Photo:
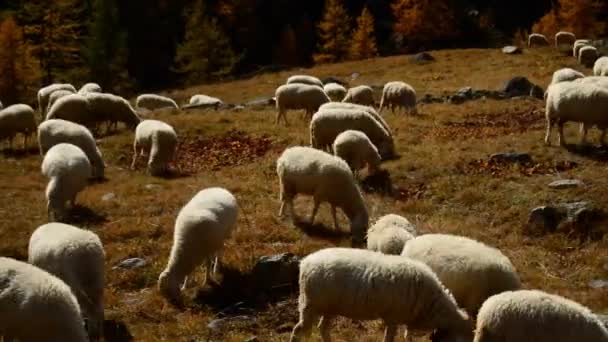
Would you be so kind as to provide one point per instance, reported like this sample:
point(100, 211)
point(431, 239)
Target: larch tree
point(333, 31)
point(364, 41)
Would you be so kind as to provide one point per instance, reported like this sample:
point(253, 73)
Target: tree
point(206, 50)
point(581, 17)
point(286, 52)
point(20, 72)
point(333, 33)
point(364, 41)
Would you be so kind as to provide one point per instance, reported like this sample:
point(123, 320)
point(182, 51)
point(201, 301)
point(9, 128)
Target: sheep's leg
point(315, 208)
point(389, 333)
point(187, 283)
point(218, 258)
point(324, 327)
point(134, 155)
point(583, 129)
point(10, 143)
point(407, 337)
point(25, 141)
point(560, 138)
point(333, 214)
point(304, 326)
point(548, 133)
point(207, 274)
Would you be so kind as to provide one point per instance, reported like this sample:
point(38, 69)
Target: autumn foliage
point(418, 21)
point(364, 42)
point(581, 17)
point(334, 30)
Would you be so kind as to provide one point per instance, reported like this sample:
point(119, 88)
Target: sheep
point(600, 68)
point(74, 108)
point(44, 93)
point(537, 39)
point(578, 44)
point(566, 75)
point(305, 79)
point(201, 228)
point(366, 285)
point(304, 170)
point(14, 119)
point(355, 148)
point(55, 131)
point(398, 94)
point(537, 316)
point(298, 96)
point(159, 140)
point(370, 110)
point(564, 38)
point(90, 88)
point(471, 270)
point(600, 81)
point(389, 234)
point(587, 56)
point(37, 306)
point(112, 108)
point(68, 170)
point(77, 257)
point(581, 101)
point(362, 94)
point(56, 95)
point(335, 91)
point(204, 100)
point(326, 125)
point(153, 102)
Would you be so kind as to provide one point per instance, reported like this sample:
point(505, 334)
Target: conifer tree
point(364, 41)
point(423, 21)
point(333, 31)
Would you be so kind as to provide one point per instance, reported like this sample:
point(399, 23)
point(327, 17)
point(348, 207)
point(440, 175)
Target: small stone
point(466, 92)
point(543, 219)
point(131, 263)
point(276, 270)
point(566, 184)
point(108, 197)
point(422, 57)
point(511, 157)
point(354, 76)
point(151, 186)
point(221, 322)
point(519, 86)
point(598, 284)
point(511, 50)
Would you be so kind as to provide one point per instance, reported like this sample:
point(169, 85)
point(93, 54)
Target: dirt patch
point(381, 184)
point(214, 153)
point(500, 169)
point(485, 125)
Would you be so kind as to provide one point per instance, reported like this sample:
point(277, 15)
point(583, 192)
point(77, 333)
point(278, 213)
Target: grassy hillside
point(441, 189)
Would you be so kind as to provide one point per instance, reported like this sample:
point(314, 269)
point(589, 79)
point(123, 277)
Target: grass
point(438, 195)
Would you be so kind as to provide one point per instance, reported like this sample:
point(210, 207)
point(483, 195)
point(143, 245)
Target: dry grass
point(434, 191)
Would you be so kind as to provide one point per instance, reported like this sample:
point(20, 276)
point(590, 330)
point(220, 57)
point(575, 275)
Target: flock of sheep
point(459, 288)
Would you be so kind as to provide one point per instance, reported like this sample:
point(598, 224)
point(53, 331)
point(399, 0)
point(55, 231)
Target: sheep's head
point(359, 225)
point(169, 288)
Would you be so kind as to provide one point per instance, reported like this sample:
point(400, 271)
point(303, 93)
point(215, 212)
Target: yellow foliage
point(364, 42)
point(424, 20)
point(334, 30)
point(577, 16)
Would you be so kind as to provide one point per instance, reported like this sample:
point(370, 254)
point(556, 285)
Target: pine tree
point(364, 41)
point(424, 21)
point(206, 50)
point(286, 52)
point(333, 31)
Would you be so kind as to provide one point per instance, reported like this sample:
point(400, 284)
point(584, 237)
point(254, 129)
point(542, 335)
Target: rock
point(428, 98)
point(511, 157)
point(332, 79)
point(422, 57)
point(511, 50)
point(275, 271)
point(131, 263)
point(354, 76)
point(578, 216)
point(519, 86)
point(466, 92)
point(151, 186)
point(238, 108)
point(537, 92)
point(222, 322)
point(566, 183)
point(542, 220)
point(261, 102)
point(598, 284)
point(108, 197)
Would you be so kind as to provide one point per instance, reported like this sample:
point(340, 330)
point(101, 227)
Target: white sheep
point(366, 285)
point(362, 94)
point(44, 93)
point(153, 102)
point(601, 81)
point(335, 91)
point(205, 100)
point(564, 38)
point(157, 139)
point(304, 170)
point(305, 79)
point(201, 228)
point(600, 68)
point(14, 119)
point(298, 96)
point(56, 131)
point(537, 39)
point(471, 270)
point(90, 88)
point(370, 110)
point(37, 306)
point(537, 316)
point(113, 109)
point(74, 108)
point(355, 148)
point(580, 101)
point(68, 170)
point(578, 44)
point(56, 95)
point(398, 94)
point(587, 56)
point(326, 125)
point(566, 75)
point(389, 234)
point(77, 257)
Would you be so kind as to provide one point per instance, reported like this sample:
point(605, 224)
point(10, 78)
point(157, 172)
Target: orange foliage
point(364, 42)
point(424, 20)
point(334, 30)
point(577, 16)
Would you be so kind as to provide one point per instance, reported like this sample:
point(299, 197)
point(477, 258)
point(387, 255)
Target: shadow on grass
point(19, 153)
point(593, 152)
point(378, 183)
point(321, 231)
point(81, 215)
point(116, 331)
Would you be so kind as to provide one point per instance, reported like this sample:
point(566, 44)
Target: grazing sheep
point(14, 119)
point(153, 102)
point(537, 316)
point(389, 234)
point(355, 148)
point(326, 125)
point(304, 170)
point(37, 306)
point(305, 79)
point(537, 39)
point(564, 38)
point(204, 100)
point(370, 110)
point(398, 94)
point(600, 68)
point(580, 101)
point(90, 88)
point(56, 95)
point(298, 96)
point(201, 228)
point(578, 44)
point(77, 257)
point(44, 93)
point(335, 91)
point(587, 56)
point(56, 131)
point(113, 109)
point(566, 75)
point(159, 140)
point(471, 270)
point(68, 170)
point(363, 95)
point(74, 108)
point(366, 285)
point(601, 81)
